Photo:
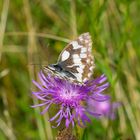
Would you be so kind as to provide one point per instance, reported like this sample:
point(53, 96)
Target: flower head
point(71, 98)
point(105, 108)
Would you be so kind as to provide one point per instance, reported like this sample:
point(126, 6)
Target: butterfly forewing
point(77, 58)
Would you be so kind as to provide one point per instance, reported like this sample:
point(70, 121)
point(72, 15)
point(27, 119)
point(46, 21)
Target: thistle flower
point(71, 98)
point(105, 108)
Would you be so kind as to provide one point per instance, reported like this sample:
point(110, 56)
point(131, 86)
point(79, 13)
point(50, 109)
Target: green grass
point(115, 30)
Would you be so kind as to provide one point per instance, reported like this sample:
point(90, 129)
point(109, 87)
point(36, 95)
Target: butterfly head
point(55, 67)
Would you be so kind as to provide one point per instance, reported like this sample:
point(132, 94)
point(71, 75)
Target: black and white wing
point(77, 59)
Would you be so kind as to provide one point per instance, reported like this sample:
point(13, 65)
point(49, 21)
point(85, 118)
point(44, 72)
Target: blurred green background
point(33, 33)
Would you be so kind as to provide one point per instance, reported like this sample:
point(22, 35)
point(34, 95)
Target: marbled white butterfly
point(75, 62)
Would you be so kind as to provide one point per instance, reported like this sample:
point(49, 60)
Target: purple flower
point(71, 98)
point(105, 108)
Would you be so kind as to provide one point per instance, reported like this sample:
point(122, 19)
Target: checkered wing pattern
point(77, 58)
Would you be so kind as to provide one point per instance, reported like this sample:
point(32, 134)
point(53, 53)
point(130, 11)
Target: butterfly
point(75, 62)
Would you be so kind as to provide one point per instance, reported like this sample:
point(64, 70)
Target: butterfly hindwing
point(77, 58)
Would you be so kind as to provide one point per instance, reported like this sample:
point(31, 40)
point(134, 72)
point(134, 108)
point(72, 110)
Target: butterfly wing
point(77, 58)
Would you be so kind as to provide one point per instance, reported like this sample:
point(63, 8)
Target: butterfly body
point(75, 62)
point(58, 69)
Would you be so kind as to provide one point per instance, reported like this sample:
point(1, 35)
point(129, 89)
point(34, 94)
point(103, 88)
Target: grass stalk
point(3, 22)
point(31, 50)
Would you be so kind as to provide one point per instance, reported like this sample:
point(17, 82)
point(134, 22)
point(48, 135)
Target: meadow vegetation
point(33, 33)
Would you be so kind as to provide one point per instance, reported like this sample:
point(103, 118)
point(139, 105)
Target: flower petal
point(40, 104)
point(46, 108)
point(100, 97)
point(58, 113)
